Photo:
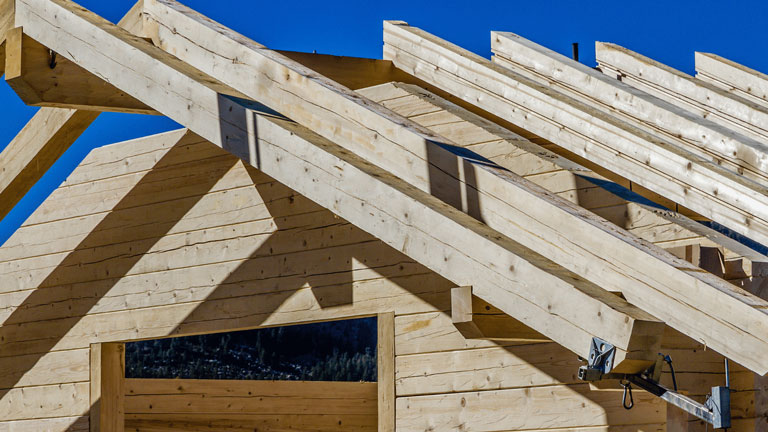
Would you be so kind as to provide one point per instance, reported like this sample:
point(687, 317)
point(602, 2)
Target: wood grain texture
point(107, 396)
point(43, 80)
point(683, 90)
point(48, 134)
point(217, 405)
point(700, 136)
point(385, 362)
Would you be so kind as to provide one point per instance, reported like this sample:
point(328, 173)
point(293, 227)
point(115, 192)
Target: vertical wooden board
point(386, 371)
point(107, 387)
point(2, 56)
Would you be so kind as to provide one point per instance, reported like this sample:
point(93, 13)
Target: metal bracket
point(715, 411)
point(600, 361)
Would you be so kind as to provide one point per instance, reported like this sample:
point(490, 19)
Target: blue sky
point(668, 31)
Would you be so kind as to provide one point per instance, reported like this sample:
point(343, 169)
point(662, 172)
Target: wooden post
point(107, 387)
point(386, 371)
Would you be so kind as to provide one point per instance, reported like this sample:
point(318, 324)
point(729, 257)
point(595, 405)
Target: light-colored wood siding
point(151, 239)
point(223, 405)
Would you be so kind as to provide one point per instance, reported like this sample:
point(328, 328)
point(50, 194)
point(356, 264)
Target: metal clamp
point(600, 361)
point(715, 411)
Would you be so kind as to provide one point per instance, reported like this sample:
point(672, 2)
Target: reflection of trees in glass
point(330, 351)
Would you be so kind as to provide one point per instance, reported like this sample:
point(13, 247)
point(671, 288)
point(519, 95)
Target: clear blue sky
point(669, 31)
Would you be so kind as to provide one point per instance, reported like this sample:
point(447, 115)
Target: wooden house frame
point(499, 217)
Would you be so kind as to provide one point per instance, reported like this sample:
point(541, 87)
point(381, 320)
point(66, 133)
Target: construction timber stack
point(530, 232)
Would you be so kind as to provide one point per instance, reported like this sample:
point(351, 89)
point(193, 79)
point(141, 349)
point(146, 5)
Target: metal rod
point(575, 47)
point(727, 375)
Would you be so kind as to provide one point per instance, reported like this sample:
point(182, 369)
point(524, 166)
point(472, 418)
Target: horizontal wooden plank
point(495, 368)
point(251, 422)
point(68, 424)
point(254, 397)
point(63, 400)
point(531, 408)
point(58, 367)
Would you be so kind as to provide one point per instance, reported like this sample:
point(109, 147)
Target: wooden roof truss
point(329, 128)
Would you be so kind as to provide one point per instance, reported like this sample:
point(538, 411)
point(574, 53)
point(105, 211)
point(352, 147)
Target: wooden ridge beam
point(352, 72)
point(519, 281)
point(733, 77)
point(49, 133)
point(559, 119)
point(683, 90)
point(42, 78)
point(478, 319)
point(432, 163)
point(700, 136)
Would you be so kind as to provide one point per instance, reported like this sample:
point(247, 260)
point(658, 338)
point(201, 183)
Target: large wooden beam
point(478, 319)
point(733, 77)
point(519, 281)
point(47, 135)
point(43, 78)
point(700, 136)
point(683, 90)
point(352, 72)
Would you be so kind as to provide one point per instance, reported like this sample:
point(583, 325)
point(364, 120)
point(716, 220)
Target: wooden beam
point(683, 90)
point(385, 363)
point(733, 77)
point(35, 149)
point(351, 72)
point(699, 136)
point(478, 319)
point(47, 135)
point(563, 120)
point(107, 387)
point(433, 233)
point(45, 79)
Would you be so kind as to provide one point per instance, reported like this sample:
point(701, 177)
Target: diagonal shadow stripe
point(15, 337)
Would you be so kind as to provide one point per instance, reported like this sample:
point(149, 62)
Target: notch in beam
point(478, 319)
point(42, 77)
